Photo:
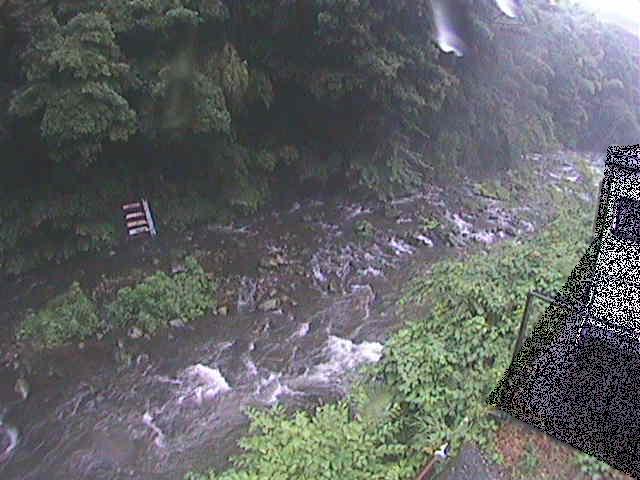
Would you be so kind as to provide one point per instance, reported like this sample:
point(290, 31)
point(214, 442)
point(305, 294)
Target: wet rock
point(156, 262)
point(423, 239)
point(22, 388)
point(268, 263)
point(142, 358)
point(135, 332)
point(224, 310)
point(270, 304)
point(364, 229)
point(178, 268)
point(177, 323)
point(453, 240)
point(391, 211)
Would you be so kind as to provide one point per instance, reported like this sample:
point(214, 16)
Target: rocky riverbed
point(306, 294)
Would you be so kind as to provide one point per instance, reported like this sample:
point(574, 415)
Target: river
point(123, 408)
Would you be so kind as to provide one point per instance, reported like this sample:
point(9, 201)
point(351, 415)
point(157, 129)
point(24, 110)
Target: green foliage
point(324, 445)
point(435, 375)
point(446, 364)
point(530, 463)
point(75, 82)
point(224, 101)
point(69, 316)
point(364, 229)
point(592, 467)
point(160, 298)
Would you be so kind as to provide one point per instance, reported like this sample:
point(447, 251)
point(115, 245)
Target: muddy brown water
point(179, 402)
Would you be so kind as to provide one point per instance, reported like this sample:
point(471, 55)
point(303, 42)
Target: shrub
point(326, 445)
point(70, 315)
point(436, 373)
point(592, 467)
point(446, 364)
point(161, 298)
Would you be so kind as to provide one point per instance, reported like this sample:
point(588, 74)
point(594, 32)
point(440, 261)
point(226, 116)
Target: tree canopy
point(222, 101)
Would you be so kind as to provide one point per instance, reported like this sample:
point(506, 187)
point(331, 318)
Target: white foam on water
point(344, 355)
point(484, 237)
point(12, 435)
point(424, 239)
point(251, 367)
point(303, 329)
point(165, 379)
point(271, 388)
point(229, 228)
point(295, 207)
point(400, 246)
point(356, 211)
point(370, 271)
point(147, 419)
point(208, 382)
point(408, 199)
point(508, 7)
point(404, 220)
point(210, 376)
point(462, 225)
point(318, 275)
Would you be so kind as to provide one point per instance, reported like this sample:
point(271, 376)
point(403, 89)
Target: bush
point(446, 364)
point(161, 298)
point(70, 315)
point(592, 467)
point(436, 373)
point(326, 445)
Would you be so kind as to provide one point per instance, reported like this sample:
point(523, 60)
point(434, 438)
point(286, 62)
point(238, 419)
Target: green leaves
point(75, 82)
point(324, 445)
point(160, 298)
point(69, 316)
point(435, 375)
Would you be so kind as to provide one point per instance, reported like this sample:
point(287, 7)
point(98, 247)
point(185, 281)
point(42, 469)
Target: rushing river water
point(179, 403)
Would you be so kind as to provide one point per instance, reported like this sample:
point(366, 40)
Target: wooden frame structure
point(139, 219)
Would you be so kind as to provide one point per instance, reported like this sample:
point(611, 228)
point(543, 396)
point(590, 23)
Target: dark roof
point(626, 156)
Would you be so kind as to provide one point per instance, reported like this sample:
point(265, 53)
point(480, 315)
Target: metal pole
point(523, 325)
point(147, 213)
point(527, 314)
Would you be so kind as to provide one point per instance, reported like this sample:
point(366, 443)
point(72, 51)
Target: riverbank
point(306, 294)
point(435, 374)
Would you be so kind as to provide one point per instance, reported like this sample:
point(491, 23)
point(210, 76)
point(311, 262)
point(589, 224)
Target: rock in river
point(22, 388)
point(269, 305)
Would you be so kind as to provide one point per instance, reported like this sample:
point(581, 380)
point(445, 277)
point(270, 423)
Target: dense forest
point(207, 107)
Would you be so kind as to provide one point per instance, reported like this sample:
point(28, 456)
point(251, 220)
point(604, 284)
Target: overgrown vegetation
point(148, 305)
point(160, 298)
point(436, 373)
point(68, 316)
point(205, 107)
point(592, 467)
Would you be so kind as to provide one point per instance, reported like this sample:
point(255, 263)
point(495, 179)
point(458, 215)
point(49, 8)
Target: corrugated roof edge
point(626, 156)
